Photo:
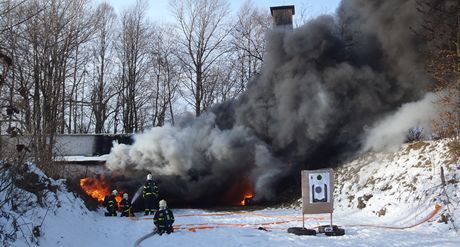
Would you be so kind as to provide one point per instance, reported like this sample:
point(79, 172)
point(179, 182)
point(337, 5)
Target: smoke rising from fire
point(392, 130)
point(322, 84)
point(195, 158)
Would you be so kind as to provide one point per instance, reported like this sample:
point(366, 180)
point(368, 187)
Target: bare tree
point(11, 6)
point(8, 44)
point(133, 47)
point(47, 61)
point(203, 33)
point(248, 43)
point(103, 89)
point(302, 14)
point(441, 22)
point(42, 38)
point(165, 73)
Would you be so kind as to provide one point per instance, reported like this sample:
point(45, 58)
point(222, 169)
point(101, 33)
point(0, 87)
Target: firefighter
point(111, 204)
point(163, 219)
point(150, 195)
point(125, 206)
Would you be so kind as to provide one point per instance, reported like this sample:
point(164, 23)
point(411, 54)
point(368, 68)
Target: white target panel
point(317, 191)
point(319, 184)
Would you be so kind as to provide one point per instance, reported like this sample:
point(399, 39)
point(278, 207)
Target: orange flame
point(247, 191)
point(97, 189)
point(247, 197)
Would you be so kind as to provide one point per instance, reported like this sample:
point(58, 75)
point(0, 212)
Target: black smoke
point(323, 85)
point(327, 81)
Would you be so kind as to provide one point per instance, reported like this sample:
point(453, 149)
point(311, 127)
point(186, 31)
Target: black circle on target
point(318, 189)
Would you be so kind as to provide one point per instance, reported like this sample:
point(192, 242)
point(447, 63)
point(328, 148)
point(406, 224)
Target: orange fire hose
point(194, 227)
point(436, 210)
point(236, 213)
point(269, 225)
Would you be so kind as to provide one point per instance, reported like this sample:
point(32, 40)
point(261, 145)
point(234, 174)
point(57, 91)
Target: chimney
point(282, 16)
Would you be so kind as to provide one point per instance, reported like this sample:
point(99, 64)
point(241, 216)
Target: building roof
point(283, 7)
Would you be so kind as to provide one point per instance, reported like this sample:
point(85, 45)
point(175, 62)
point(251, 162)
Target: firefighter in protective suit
point(163, 219)
point(150, 194)
point(111, 204)
point(125, 206)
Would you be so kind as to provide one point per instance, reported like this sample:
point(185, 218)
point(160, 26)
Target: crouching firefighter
point(125, 206)
point(163, 219)
point(150, 194)
point(111, 204)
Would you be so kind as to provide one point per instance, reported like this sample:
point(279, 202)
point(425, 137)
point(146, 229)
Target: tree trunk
point(458, 43)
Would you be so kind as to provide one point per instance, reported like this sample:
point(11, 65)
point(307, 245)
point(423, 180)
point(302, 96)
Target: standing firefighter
point(163, 219)
point(111, 204)
point(150, 195)
point(125, 206)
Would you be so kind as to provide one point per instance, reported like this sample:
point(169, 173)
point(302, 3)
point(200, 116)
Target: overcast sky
point(159, 9)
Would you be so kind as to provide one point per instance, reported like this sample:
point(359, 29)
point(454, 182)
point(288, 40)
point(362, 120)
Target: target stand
point(317, 198)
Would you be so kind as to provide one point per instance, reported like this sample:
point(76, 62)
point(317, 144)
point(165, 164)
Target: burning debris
point(247, 199)
point(95, 188)
point(322, 86)
point(98, 188)
point(248, 192)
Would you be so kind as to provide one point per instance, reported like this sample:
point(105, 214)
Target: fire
point(247, 197)
point(97, 189)
point(240, 192)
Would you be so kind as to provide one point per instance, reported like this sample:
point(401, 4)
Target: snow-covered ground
point(73, 226)
point(375, 195)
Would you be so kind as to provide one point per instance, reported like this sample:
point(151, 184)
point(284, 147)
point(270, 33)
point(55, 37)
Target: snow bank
point(27, 197)
point(401, 187)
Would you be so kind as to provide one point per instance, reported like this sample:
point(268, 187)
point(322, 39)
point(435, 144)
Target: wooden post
point(443, 178)
point(303, 220)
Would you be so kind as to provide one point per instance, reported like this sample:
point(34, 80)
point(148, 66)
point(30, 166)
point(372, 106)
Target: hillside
point(395, 187)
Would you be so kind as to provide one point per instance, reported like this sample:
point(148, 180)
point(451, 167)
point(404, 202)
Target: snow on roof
point(77, 158)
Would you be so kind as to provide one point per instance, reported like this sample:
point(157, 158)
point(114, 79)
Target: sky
point(159, 9)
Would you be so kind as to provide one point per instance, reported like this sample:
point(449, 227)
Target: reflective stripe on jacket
point(163, 218)
point(150, 188)
point(125, 205)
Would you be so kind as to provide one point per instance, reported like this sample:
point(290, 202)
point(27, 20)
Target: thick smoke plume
point(322, 86)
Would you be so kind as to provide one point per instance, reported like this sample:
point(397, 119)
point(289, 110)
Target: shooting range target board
point(317, 198)
point(317, 191)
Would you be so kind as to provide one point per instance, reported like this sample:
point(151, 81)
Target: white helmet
point(125, 196)
point(114, 192)
point(163, 204)
point(149, 176)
